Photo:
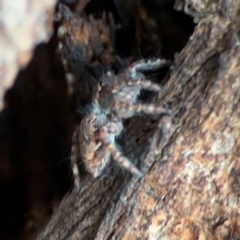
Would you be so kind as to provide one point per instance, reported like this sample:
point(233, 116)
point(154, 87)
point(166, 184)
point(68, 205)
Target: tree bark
point(190, 162)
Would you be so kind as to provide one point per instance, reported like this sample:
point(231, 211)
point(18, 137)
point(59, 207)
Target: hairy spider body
point(97, 142)
point(115, 98)
point(119, 93)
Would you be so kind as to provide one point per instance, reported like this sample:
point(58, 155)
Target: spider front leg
point(139, 107)
point(107, 134)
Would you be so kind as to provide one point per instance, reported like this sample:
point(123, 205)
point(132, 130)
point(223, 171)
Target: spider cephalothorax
point(115, 98)
point(119, 92)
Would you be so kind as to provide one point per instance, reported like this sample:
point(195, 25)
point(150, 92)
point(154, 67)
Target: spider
point(119, 93)
point(114, 99)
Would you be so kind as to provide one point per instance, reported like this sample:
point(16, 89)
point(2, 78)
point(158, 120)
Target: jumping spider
point(114, 99)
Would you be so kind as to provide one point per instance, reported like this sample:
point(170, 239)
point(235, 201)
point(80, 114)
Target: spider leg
point(133, 75)
point(73, 159)
point(139, 107)
point(107, 134)
point(148, 65)
point(140, 82)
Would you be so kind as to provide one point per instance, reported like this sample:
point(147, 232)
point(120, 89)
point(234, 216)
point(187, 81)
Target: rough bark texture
point(190, 188)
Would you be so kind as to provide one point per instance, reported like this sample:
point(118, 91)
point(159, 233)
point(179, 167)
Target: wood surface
point(190, 161)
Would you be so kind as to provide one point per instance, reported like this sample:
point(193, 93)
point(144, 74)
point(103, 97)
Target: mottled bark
point(190, 188)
